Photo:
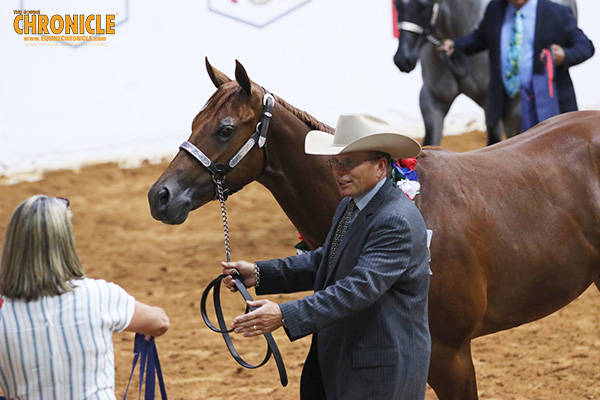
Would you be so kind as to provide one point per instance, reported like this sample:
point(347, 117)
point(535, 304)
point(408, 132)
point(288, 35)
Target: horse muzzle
point(167, 206)
point(405, 61)
point(404, 64)
point(409, 50)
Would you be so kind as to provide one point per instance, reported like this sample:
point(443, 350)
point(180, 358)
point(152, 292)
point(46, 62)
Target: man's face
point(518, 3)
point(356, 173)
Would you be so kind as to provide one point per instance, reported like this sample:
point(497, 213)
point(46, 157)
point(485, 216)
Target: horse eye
point(226, 131)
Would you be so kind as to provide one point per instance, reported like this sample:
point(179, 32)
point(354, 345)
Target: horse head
point(219, 131)
point(416, 20)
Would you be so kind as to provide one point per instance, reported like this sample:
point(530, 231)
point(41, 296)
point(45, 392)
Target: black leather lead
point(215, 286)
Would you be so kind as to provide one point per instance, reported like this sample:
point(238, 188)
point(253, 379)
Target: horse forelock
point(218, 100)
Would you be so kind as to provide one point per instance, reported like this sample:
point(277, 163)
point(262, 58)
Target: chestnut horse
point(516, 225)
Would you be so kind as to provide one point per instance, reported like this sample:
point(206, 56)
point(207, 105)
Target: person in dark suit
point(368, 313)
point(515, 32)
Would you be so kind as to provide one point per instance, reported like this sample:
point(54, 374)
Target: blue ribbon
point(145, 351)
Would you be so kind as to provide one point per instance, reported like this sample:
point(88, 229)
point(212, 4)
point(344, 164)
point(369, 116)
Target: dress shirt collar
point(363, 200)
point(528, 9)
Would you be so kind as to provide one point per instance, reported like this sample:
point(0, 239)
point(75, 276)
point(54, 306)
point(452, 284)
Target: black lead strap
point(272, 348)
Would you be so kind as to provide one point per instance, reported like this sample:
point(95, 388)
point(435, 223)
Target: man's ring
point(254, 327)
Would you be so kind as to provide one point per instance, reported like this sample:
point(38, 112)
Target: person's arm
point(384, 261)
point(381, 264)
point(292, 274)
point(578, 47)
point(148, 320)
point(475, 41)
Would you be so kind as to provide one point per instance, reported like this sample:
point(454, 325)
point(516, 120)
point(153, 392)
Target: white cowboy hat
point(361, 132)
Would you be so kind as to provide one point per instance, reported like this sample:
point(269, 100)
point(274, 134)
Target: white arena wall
point(134, 97)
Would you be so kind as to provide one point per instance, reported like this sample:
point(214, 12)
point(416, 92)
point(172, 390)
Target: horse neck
point(459, 17)
point(302, 184)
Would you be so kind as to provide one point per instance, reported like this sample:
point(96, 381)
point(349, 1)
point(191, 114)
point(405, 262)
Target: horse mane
point(315, 124)
point(305, 117)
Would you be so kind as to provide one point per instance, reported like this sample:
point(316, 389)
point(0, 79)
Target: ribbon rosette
point(301, 247)
point(409, 163)
point(405, 176)
point(411, 188)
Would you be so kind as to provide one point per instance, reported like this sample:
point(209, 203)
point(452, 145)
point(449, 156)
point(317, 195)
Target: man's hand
point(266, 318)
point(244, 268)
point(558, 55)
point(447, 46)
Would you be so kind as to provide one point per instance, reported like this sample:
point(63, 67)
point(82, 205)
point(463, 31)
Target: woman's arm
point(151, 321)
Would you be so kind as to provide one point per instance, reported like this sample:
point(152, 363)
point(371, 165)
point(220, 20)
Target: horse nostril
point(400, 61)
point(163, 199)
point(404, 64)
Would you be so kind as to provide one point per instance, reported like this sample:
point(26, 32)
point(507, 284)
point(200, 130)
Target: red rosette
point(409, 163)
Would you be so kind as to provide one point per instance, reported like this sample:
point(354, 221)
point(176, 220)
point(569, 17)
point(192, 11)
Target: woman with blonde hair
point(56, 325)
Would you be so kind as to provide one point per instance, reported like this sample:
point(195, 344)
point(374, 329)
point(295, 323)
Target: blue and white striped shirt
point(61, 347)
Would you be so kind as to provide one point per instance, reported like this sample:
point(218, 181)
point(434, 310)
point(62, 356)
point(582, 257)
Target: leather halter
point(219, 170)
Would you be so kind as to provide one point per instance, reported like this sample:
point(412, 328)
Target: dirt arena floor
point(555, 358)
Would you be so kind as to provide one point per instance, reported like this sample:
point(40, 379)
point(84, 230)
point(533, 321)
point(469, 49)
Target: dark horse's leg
point(494, 132)
point(434, 111)
point(451, 373)
point(512, 116)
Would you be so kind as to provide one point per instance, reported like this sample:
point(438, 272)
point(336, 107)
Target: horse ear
point(241, 76)
point(216, 76)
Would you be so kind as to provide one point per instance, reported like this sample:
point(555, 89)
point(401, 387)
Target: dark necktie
point(341, 229)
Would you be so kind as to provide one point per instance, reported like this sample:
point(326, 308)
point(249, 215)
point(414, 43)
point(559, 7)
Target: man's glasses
point(67, 202)
point(346, 165)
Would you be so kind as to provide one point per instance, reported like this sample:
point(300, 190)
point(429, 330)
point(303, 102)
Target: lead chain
point(219, 187)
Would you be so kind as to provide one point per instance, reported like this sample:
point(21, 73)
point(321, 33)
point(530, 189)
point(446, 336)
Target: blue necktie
point(512, 78)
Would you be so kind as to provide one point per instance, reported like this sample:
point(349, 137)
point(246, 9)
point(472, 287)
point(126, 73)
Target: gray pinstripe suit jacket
point(370, 307)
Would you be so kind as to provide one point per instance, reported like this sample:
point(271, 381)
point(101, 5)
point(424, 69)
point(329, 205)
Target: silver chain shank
point(219, 187)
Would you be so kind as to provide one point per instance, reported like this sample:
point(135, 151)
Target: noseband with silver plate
point(420, 30)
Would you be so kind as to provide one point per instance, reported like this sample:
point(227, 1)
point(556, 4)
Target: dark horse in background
point(445, 19)
point(515, 236)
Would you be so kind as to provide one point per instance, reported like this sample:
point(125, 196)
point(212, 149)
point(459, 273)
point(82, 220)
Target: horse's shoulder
point(428, 151)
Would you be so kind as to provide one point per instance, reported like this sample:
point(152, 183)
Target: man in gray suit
point(368, 313)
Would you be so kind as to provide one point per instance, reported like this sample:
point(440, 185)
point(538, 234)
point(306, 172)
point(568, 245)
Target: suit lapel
point(360, 220)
